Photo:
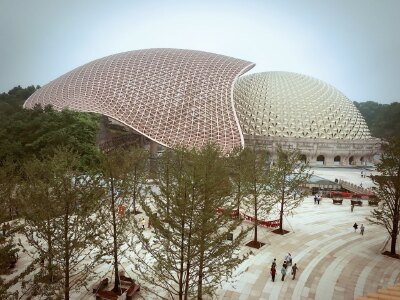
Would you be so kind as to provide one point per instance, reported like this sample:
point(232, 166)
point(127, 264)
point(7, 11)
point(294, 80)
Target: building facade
point(184, 97)
point(298, 111)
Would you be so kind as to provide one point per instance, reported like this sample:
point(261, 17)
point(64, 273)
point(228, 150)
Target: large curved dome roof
point(171, 96)
point(283, 104)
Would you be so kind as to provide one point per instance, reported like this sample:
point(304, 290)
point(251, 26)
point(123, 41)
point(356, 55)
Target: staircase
point(389, 293)
point(354, 188)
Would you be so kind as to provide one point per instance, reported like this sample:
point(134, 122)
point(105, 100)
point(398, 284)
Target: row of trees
point(71, 221)
point(69, 217)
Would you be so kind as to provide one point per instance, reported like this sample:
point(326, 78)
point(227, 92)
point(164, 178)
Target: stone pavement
point(334, 261)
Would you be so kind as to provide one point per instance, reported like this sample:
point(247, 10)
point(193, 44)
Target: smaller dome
point(284, 104)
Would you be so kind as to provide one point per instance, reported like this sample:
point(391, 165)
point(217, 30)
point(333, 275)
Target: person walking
point(318, 199)
point(355, 226)
point(362, 228)
point(274, 263)
point(285, 264)
point(283, 272)
point(273, 273)
point(294, 270)
point(143, 223)
point(352, 207)
point(315, 199)
point(288, 259)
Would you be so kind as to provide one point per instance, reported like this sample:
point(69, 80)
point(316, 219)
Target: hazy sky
point(351, 44)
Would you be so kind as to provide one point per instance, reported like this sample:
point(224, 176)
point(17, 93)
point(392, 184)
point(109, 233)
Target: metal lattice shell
point(171, 96)
point(283, 104)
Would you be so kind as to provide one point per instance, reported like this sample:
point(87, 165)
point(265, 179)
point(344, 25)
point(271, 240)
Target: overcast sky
point(351, 44)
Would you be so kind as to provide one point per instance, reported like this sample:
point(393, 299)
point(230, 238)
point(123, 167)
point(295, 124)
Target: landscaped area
point(334, 261)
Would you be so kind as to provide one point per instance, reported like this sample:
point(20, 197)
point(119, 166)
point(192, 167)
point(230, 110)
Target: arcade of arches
point(322, 152)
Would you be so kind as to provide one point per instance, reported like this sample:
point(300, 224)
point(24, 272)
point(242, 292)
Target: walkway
point(334, 261)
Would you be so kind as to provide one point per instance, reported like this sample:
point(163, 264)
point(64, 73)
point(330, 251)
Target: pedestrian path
point(334, 261)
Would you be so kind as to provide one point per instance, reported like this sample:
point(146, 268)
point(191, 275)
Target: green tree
point(116, 177)
point(138, 170)
point(287, 178)
point(164, 178)
point(388, 191)
point(8, 253)
point(215, 259)
point(59, 204)
point(188, 255)
point(256, 172)
point(38, 132)
point(9, 178)
point(382, 119)
point(238, 167)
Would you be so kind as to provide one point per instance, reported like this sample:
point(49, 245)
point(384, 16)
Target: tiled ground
point(334, 261)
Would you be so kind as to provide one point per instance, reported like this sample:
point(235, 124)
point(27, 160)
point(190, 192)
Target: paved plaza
point(334, 261)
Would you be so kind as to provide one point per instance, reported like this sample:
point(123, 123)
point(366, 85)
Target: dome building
point(171, 96)
point(183, 97)
point(298, 111)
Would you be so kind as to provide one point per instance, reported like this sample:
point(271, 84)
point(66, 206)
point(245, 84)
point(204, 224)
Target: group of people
point(287, 262)
point(317, 198)
point(362, 228)
point(363, 174)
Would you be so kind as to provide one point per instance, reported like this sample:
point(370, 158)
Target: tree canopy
point(26, 133)
point(388, 191)
point(383, 120)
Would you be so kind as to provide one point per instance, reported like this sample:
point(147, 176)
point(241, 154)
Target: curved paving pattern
point(172, 96)
point(334, 262)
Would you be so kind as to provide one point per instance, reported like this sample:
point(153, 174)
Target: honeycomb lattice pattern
point(282, 104)
point(171, 96)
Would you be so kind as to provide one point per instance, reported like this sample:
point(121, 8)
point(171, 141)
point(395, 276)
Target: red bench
point(106, 295)
point(133, 289)
point(356, 202)
point(337, 201)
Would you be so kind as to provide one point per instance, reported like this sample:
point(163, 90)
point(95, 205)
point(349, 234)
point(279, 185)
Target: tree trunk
point(167, 183)
point(394, 234)
point(189, 239)
point(255, 218)
point(115, 248)
point(182, 249)
point(188, 263)
point(200, 281)
point(66, 256)
point(134, 193)
point(238, 198)
point(49, 251)
point(281, 212)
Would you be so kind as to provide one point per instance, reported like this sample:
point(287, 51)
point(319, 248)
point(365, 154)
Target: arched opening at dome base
point(362, 161)
point(336, 160)
point(351, 160)
point(320, 160)
point(303, 158)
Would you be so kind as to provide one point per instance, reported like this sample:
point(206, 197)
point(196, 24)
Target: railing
point(355, 188)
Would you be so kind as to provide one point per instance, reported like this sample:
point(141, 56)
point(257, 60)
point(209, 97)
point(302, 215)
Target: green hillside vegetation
point(25, 133)
point(383, 120)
